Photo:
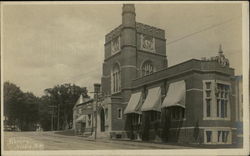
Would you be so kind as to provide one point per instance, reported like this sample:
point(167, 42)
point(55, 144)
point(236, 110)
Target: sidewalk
point(160, 145)
point(126, 142)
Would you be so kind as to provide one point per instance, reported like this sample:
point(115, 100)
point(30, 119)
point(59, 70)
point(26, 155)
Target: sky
point(48, 44)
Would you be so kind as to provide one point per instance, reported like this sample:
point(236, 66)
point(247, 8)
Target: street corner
point(22, 143)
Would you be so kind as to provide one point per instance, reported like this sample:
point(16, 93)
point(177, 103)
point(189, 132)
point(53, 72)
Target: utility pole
point(58, 111)
point(52, 121)
point(96, 96)
point(52, 109)
point(52, 116)
point(96, 114)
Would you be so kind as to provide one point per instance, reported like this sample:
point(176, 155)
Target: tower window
point(119, 112)
point(116, 79)
point(115, 45)
point(147, 68)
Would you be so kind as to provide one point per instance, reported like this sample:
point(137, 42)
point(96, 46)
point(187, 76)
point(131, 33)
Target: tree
point(44, 113)
point(21, 109)
point(30, 111)
point(13, 99)
point(63, 97)
point(25, 110)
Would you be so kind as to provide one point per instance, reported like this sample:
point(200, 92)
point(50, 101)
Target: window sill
point(216, 118)
point(217, 143)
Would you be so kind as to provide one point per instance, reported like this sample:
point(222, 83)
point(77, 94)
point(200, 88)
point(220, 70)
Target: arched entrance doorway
point(102, 119)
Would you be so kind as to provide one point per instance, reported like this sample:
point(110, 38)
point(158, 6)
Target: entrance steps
point(86, 134)
point(100, 135)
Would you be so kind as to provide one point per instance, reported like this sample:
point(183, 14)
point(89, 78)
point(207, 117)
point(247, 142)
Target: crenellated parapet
point(140, 28)
point(113, 34)
point(150, 30)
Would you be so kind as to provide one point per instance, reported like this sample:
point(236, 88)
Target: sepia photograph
point(125, 78)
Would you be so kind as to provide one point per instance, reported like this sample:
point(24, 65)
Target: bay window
point(216, 104)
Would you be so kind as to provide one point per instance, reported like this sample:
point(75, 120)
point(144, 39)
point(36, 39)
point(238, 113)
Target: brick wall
point(118, 124)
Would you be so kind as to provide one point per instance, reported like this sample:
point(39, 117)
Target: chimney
point(97, 90)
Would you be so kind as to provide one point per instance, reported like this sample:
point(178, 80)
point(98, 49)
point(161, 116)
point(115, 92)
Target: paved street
point(52, 141)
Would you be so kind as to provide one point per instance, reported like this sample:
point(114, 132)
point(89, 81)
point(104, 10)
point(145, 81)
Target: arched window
point(116, 79)
point(147, 68)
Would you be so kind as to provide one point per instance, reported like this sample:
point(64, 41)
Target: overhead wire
point(204, 29)
point(171, 42)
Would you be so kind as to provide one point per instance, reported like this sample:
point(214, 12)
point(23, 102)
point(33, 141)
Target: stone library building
point(141, 98)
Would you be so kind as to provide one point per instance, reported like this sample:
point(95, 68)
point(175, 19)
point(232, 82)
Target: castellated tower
point(120, 64)
point(132, 50)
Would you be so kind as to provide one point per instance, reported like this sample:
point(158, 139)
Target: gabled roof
point(82, 100)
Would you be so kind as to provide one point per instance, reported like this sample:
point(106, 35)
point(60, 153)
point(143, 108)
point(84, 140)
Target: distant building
point(239, 107)
point(239, 98)
point(83, 116)
point(144, 99)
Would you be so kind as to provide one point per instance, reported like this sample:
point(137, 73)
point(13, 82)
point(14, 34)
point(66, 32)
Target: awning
point(133, 103)
point(153, 100)
point(176, 95)
point(81, 118)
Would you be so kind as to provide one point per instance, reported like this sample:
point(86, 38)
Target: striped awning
point(176, 95)
point(133, 103)
point(153, 100)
